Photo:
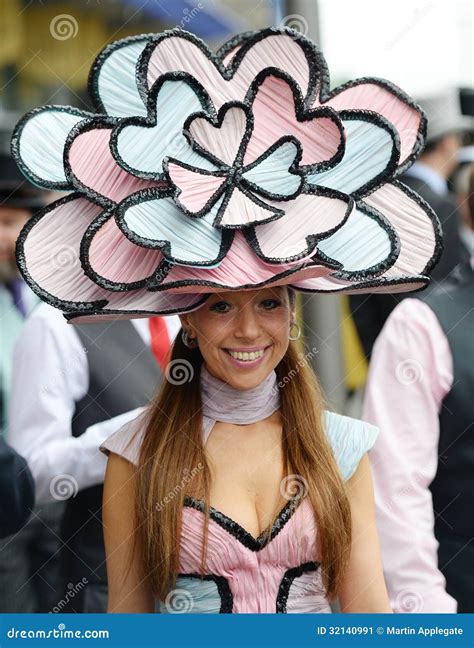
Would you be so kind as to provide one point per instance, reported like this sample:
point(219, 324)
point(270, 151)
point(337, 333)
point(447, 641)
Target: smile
point(247, 357)
point(253, 355)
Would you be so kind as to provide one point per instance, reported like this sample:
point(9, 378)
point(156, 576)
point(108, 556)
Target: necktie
point(160, 341)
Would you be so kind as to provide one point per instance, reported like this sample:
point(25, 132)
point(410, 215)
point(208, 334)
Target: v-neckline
point(238, 531)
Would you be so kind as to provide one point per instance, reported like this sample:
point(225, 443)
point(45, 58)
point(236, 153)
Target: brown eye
point(270, 304)
point(219, 307)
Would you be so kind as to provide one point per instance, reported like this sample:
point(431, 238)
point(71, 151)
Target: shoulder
point(411, 325)
point(350, 439)
point(49, 322)
point(414, 332)
point(46, 334)
point(127, 441)
point(412, 311)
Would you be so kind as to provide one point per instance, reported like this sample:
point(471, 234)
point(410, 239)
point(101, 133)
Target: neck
point(222, 402)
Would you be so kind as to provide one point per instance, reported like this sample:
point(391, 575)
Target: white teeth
point(243, 355)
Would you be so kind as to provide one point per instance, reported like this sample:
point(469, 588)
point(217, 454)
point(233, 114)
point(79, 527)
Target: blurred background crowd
point(403, 362)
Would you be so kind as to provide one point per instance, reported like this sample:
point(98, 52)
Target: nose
point(246, 323)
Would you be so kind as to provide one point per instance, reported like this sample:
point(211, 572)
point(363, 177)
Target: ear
point(184, 320)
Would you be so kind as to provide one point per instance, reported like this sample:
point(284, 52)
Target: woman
point(213, 186)
point(267, 553)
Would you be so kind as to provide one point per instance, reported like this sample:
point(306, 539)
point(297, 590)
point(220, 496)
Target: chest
point(247, 469)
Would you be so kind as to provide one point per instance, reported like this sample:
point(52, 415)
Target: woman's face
point(242, 335)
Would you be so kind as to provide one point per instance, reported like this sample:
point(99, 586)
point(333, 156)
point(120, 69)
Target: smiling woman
point(274, 488)
point(213, 186)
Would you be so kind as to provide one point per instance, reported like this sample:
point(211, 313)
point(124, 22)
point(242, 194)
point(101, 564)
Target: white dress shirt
point(50, 376)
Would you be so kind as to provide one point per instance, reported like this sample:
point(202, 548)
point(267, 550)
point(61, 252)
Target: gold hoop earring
point(191, 343)
point(291, 337)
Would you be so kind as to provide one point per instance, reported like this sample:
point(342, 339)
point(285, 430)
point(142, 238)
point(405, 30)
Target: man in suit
point(428, 177)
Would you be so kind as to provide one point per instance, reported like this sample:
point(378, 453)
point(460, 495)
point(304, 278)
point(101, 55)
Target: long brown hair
point(172, 458)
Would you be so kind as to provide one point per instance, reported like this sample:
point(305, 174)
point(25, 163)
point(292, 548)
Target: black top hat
point(15, 190)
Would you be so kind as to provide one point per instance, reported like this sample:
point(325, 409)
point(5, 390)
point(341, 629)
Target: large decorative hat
point(205, 172)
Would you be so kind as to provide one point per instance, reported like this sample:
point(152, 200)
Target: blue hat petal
point(151, 218)
point(38, 143)
point(371, 154)
point(112, 81)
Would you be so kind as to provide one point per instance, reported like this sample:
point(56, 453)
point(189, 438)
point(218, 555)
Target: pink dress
point(244, 573)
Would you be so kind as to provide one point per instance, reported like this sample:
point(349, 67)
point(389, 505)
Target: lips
point(249, 356)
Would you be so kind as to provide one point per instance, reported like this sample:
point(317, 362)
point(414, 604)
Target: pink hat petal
point(195, 190)
point(241, 209)
point(274, 114)
point(113, 259)
point(416, 225)
point(52, 248)
point(240, 269)
point(182, 52)
point(91, 165)
point(294, 235)
point(222, 141)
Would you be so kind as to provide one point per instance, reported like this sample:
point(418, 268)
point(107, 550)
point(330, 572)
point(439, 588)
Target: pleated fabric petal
point(38, 144)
